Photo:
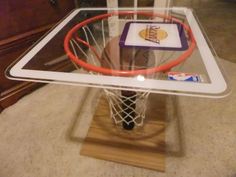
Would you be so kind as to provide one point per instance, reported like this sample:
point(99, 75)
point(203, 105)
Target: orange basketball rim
point(162, 68)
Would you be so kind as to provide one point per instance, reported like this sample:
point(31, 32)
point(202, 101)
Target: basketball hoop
point(113, 72)
point(126, 107)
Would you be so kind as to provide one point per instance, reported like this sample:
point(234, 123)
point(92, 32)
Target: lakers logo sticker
point(153, 33)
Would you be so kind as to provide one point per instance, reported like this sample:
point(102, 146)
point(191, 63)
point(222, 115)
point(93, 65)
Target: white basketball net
point(124, 108)
point(128, 109)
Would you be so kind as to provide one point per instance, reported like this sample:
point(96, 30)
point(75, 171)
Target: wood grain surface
point(142, 147)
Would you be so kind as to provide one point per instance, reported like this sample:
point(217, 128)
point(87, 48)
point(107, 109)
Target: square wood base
point(142, 147)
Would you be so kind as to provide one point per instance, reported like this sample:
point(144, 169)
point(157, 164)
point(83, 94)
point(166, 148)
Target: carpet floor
point(39, 136)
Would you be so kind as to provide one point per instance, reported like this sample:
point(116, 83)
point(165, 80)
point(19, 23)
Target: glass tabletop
point(159, 50)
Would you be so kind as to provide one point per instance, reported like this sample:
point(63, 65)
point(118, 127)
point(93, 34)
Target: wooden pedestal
point(142, 147)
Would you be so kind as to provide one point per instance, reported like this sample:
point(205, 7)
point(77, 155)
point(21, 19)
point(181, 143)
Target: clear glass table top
point(159, 50)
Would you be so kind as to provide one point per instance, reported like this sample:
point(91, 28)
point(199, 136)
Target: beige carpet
point(39, 136)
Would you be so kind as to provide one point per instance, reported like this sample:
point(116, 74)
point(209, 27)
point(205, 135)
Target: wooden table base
point(142, 147)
